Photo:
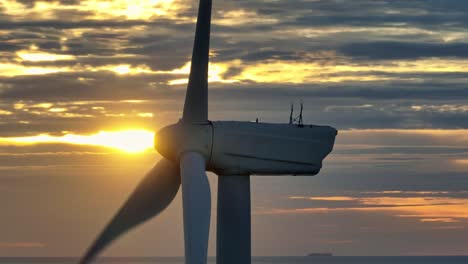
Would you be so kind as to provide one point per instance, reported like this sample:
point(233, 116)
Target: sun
point(129, 141)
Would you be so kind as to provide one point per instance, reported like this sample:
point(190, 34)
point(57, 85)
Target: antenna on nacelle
point(300, 122)
point(291, 115)
point(298, 119)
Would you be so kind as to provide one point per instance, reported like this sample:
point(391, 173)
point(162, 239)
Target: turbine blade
point(196, 199)
point(196, 98)
point(152, 196)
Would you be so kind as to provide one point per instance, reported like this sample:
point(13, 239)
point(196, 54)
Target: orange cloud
point(331, 198)
point(463, 162)
point(427, 209)
point(21, 245)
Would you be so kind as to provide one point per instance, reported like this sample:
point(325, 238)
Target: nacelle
point(248, 148)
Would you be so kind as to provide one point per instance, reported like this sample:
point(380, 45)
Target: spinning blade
point(152, 196)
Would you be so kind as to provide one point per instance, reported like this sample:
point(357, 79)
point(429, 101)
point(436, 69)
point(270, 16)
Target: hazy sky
point(390, 75)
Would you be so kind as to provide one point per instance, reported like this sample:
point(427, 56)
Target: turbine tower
point(233, 150)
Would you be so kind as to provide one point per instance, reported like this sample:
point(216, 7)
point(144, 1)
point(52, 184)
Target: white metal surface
point(196, 199)
point(172, 141)
point(196, 99)
point(248, 148)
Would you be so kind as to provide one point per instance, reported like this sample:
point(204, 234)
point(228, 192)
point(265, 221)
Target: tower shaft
point(233, 244)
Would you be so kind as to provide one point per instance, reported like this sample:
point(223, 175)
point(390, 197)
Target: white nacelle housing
point(248, 148)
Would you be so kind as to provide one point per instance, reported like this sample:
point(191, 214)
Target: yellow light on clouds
point(131, 9)
point(124, 69)
point(12, 70)
point(130, 141)
point(278, 72)
point(215, 72)
point(4, 112)
point(42, 56)
point(96, 9)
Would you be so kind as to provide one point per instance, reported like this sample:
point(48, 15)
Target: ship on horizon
point(320, 254)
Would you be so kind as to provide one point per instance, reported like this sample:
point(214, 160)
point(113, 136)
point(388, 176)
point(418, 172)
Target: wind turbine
point(231, 149)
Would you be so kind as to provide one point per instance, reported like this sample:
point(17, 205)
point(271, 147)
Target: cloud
point(420, 205)
point(21, 245)
point(406, 137)
point(404, 50)
point(42, 56)
point(92, 9)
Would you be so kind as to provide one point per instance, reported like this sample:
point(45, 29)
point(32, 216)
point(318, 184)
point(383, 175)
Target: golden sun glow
point(131, 9)
point(461, 162)
point(215, 73)
point(97, 9)
point(130, 141)
point(36, 56)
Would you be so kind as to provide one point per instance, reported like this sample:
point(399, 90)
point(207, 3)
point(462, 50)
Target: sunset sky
point(84, 85)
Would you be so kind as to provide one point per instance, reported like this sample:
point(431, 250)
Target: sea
point(257, 260)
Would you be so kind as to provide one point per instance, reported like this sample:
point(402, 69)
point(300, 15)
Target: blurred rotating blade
point(196, 199)
point(152, 196)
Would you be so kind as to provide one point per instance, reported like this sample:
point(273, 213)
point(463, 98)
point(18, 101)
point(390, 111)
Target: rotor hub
point(174, 140)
